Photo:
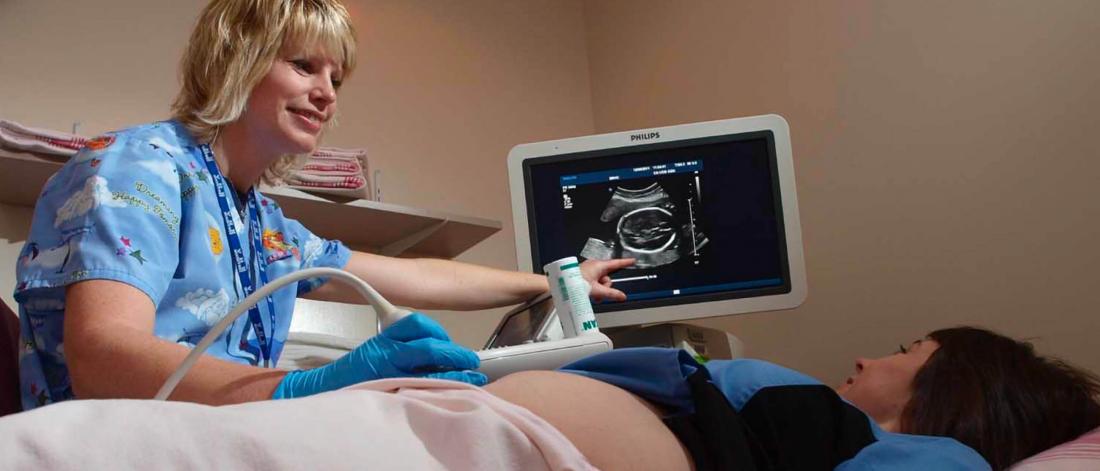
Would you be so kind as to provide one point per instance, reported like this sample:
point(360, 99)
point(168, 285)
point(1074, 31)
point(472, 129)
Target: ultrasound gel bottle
point(570, 292)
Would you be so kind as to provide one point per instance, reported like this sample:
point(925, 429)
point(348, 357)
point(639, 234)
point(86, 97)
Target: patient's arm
point(612, 427)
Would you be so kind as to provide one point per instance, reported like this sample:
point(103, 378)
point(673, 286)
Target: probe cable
point(386, 313)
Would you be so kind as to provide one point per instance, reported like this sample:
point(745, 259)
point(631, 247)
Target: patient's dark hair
point(995, 395)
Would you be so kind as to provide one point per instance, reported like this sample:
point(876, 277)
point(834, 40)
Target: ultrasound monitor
point(707, 210)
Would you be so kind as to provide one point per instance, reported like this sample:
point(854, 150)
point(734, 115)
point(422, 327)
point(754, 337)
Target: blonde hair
point(232, 48)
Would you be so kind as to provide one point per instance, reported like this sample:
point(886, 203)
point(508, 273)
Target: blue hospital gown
point(660, 376)
point(138, 206)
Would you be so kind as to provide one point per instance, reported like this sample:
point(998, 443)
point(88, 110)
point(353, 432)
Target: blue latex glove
point(415, 346)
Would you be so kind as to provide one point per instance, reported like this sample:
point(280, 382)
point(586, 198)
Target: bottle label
point(571, 302)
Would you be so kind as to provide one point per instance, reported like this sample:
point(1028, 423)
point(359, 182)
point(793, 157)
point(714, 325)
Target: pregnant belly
point(612, 427)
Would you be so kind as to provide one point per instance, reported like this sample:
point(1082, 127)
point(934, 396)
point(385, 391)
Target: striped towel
point(332, 166)
point(338, 153)
point(351, 182)
point(45, 141)
point(1083, 453)
point(335, 171)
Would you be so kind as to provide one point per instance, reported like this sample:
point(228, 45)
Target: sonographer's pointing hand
point(598, 274)
point(415, 346)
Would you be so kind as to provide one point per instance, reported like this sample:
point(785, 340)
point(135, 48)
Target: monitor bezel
point(523, 155)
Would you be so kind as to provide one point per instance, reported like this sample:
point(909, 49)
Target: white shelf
point(384, 228)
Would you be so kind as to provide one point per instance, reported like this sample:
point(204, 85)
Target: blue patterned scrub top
point(138, 206)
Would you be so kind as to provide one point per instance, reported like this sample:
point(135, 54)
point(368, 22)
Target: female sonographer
point(149, 235)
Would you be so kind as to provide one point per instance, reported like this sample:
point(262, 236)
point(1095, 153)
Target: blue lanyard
point(237, 251)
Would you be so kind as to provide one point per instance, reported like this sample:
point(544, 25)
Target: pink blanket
point(415, 424)
point(335, 167)
point(334, 171)
point(15, 135)
point(326, 181)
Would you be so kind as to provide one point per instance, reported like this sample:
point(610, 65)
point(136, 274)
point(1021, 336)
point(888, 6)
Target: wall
point(442, 92)
point(945, 152)
point(445, 89)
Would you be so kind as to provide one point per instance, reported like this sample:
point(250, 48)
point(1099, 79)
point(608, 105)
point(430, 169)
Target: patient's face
point(882, 386)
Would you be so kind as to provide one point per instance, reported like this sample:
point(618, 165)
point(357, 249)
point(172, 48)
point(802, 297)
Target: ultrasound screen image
point(653, 221)
point(700, 218)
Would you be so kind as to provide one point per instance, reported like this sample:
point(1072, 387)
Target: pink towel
point(15, 135)
point(348, 186)
point(322, 181)
point(323, 167)
point(335, 171)
point(338, 153)
point(333, 159)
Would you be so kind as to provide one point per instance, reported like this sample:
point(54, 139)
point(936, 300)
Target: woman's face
point(881, 387)
point(288, 108)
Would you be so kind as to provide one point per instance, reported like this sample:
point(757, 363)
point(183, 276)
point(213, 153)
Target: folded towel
point(334, 171)
point(335, 158)
point(15, 135)
point(338, 181)
point(322, 167)
point(338, 153)
point(351, 186)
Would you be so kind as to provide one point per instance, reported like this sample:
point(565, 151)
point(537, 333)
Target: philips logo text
point(645, 137)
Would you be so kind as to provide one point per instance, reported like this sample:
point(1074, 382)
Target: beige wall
point(443, 91)
point(946, 155)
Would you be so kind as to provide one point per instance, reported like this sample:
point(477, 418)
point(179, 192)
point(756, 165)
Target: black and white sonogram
point(654, 220)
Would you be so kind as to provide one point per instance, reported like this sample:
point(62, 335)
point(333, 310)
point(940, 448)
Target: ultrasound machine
point(708, 211)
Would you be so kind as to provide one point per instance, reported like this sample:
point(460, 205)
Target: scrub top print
point(138, 206)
